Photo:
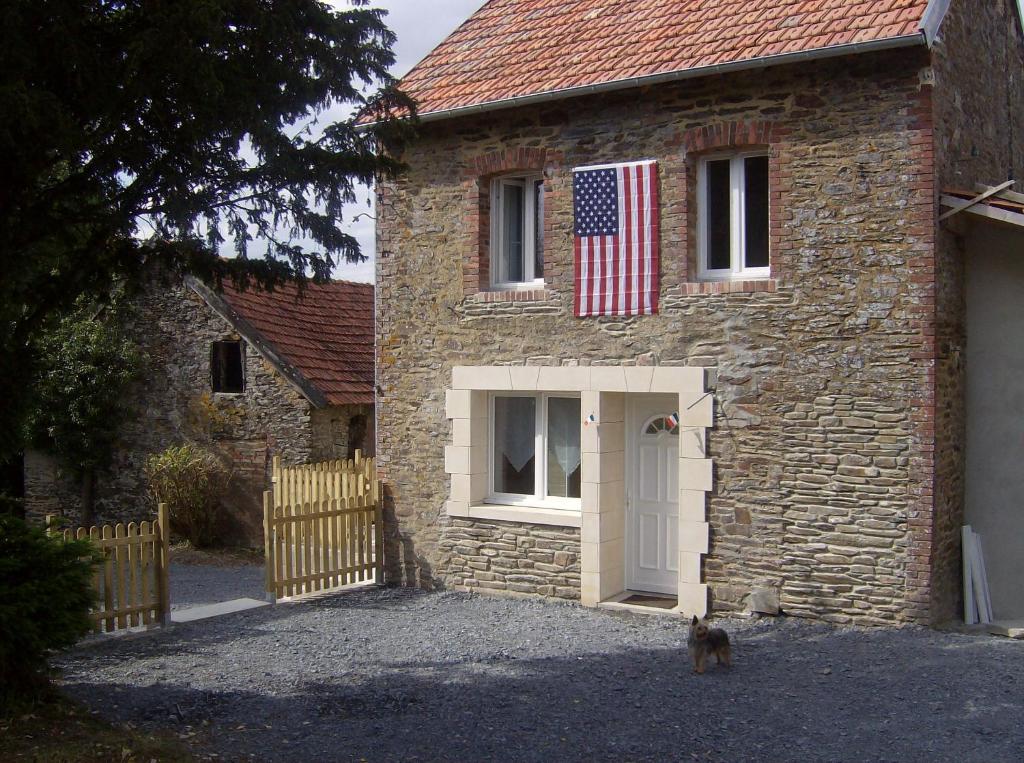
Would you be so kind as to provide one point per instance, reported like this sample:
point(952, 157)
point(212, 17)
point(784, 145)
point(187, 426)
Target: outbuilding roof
point(320, 339)
point(517, 50)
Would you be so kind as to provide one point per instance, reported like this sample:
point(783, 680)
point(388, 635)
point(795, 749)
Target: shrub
point(191, 481)
point(45, 595)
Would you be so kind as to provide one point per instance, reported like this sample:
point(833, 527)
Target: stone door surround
point(603, 391)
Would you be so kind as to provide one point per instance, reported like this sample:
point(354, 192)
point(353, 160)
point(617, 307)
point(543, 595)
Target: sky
point(420, 26)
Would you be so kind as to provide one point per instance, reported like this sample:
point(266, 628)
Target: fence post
point(50, 529)
point(378, 532)
point(163, 588)
point(268, 547)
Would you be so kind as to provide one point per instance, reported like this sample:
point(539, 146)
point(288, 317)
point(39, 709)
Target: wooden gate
point(131, 581)
point(323, 527)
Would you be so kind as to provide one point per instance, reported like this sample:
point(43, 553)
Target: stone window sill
point(524, 514)
point(512, 295)
point(730, 287)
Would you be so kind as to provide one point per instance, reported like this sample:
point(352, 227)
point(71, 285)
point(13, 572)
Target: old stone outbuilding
point(666, 312)
point(255, 374)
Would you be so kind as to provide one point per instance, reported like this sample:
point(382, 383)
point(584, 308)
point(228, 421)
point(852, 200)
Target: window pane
point(515, 429)
point(538, 229)
point(755, 218)
point(717, 215)
point(563, 478)
point(512, 232)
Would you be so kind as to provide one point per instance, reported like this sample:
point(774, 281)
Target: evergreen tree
point(142, 131)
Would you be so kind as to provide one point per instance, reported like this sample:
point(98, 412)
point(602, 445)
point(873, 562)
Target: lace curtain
point(514, 430)
point(564, 432)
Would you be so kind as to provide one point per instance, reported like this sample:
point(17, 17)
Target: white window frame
point(540, 498)
point(737, 229)
point(497, 253)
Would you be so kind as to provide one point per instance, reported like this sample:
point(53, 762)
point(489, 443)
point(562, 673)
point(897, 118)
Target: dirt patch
point(60, 730)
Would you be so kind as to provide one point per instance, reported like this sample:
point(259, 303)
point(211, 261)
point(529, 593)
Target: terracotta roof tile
point(327, 334)
point(515, 48)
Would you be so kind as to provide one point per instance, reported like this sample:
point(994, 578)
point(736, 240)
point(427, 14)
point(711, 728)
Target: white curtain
point(514, 430)
point(564, 432)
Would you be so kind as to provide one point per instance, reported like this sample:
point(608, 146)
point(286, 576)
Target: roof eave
point(889, 43)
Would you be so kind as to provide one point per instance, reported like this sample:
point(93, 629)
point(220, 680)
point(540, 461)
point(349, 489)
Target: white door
point(652, 506)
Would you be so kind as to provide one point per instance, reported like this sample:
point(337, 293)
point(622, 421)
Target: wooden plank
point(289, 547)
point(1005, 194)
point(269, 565)
point(307, 542)
point(978, 574)
point(314, 526)
point(961, 205)
point(120, 554)
point(970, 607)
point(325, 540)
point(163, 547)
point(301, 518)
point(352, 529)
point(132, 558)
point(145, 573)
point(108, 579)
point(985, 599)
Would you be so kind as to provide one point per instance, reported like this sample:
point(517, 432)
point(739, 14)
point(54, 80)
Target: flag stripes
point(615, 242)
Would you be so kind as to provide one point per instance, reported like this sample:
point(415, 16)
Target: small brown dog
point(704, 641)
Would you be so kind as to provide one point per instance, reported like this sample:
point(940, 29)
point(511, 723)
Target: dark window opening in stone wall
point(357, 436)
point(227, 370)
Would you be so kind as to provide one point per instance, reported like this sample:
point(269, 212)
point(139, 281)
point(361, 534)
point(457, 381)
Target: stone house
point(255, 374)
point(665, 312)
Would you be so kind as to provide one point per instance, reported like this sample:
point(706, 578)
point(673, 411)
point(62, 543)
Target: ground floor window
point(535, 449)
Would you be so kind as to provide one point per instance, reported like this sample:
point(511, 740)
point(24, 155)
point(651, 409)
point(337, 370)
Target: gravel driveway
point(396, 674)
point(194, 585)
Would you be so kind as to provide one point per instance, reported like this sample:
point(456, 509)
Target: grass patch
point(61, 731)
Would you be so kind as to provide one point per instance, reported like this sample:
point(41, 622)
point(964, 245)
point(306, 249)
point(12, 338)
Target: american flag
point(616, 238)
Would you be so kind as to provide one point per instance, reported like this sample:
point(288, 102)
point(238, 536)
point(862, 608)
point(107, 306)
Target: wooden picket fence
point(323, 527)
point(131, 581)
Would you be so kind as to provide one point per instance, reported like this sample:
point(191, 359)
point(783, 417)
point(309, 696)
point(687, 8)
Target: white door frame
point(667, 403)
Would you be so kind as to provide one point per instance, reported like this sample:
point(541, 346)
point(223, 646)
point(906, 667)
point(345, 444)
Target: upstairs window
point(517, 231)
point(732, 202)
point(227, 369)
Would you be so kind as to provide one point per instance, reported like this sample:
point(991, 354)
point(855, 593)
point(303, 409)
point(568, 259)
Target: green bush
point(45, 596)
point(191, 481)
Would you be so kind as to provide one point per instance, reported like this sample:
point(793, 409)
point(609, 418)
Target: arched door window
point(658, 425)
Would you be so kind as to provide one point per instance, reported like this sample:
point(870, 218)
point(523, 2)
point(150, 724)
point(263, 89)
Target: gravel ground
point(193, 585)
point(395, 674)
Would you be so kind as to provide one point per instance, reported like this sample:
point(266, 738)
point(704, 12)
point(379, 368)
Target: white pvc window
point(534, 450)
point(517, 232)
point(732, 204)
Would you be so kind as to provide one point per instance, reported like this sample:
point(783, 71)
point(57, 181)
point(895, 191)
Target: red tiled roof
point(515, 48)
point(326, 335)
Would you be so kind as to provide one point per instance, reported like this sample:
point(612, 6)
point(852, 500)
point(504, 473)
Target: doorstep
point(642, 602)
point(1010, 628)
point(215, 610)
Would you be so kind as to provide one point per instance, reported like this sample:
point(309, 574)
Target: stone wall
point(979, 138)
point(174, 404)
point(821, 440)
point(504, 556)
point(340, 430)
